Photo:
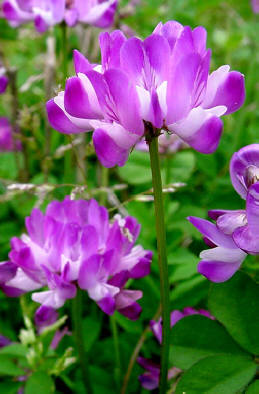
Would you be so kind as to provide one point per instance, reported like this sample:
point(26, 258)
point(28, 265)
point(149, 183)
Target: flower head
point(47, 13)
point(162, 81)
point(255, 6)
point(236, 233)
point(75, 244)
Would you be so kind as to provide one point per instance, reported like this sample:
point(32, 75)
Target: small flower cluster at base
point(75, 244)
point(236, 233)
point(166, 76)
point(47, 13)
point(150, 378)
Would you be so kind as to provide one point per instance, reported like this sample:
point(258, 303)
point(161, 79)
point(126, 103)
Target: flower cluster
point(3, 79)
point(150, 378)
point(255, 6)
point(74, 244)
point(167, 79)
point(47, 13)
point(7, 142)
point(236, 233)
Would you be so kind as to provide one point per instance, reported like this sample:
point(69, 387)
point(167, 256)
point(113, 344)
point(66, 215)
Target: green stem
point(64, 51)
point(116, 345)
point(79, 339)
point(162, 260)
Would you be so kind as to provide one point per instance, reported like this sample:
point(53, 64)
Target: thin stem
point(116, 345)
point(64, 51)
point(79, 339)
point(162, 260)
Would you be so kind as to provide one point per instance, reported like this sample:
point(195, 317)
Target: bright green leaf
point(195, 337)
point(253, 388)
point(223, 374)
point(8, 366)
point(235, 304)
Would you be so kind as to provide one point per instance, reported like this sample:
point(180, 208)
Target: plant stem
point(79, 339)
point(116, 344)
point(162, 259)
point(64, 51)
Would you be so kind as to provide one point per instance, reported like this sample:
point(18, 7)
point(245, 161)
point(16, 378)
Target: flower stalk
point(162, 256)
point(79, 340)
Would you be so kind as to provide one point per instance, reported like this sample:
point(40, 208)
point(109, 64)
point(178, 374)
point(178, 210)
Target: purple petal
point(108, 151)
point(170, 30)
point(3, 83)
point(81, 64)
point(59, 121)
point(110, 44)
point(200, 130)
point(210, 231)
point(218, 271)
point(107, 305)
point(225, 88)
point(7, 271)
point(87, 277)
point(228, 222)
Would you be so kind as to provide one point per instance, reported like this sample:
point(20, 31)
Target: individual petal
point(225, 88)
point(87, 277)
point(127, 111)
point(44, 317)
point(171, 30)
point(107, 305)
point(7, 271)
point(100, 15)
point(200, 129)
point(218, 271)
point(23, 282)
point(71, 17)
point(112, 144)
point(59, 120)
point(80, 99)
point(200, 37)
point(126, 305)
point(81, 64)
point(110, 44)
point(157, 50)
point(228, 222)
point(35, 226)
point(182, 87)
point(156, 328)
point(244, 168)
point(210, 231)
point(15, 14)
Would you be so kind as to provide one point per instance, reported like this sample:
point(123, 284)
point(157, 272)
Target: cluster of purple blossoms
point(150, 378)
point(47, 13)
point(3, 79)
point(162, 81)
point(236, 233)
point(75, 244)
point(7, 142)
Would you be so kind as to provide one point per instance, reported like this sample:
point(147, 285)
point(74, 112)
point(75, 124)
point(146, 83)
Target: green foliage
point(196, 337)
point(222, 374)
point(235, 305)
point(40, 383)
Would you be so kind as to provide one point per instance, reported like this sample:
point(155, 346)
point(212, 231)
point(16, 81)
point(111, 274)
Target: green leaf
point(235, 304)
point(15, 349)
point(195, 337)
point(137, 170)
point(253, 388)
point(40, 383)
point(189, 292)
point(8, 367)
point(183, 265)
point(223, 374)
point(181, 165)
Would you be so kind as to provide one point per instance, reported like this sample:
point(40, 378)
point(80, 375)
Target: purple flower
point(255, 6)
point(7, 143)
point(4, 341)
point(74, 243)
point(236, 233)
point(167, 79)
point(48, 13)
point(3, 80)
point(150, 378)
